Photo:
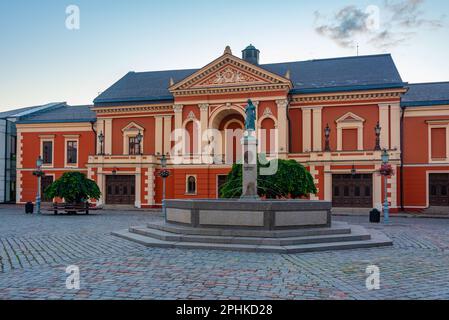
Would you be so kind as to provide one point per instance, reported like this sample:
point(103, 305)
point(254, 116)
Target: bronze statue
point(250, 121)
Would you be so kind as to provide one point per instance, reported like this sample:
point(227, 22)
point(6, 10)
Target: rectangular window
point(47, 152)
point(72, 152)
point(13, 145)
point(349, 139)
point(438, 139)
point(134, 147)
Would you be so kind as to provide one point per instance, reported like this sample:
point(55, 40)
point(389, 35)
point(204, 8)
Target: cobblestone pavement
point(35, 251)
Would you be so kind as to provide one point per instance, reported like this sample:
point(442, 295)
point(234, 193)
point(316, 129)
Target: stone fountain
point(252, 224)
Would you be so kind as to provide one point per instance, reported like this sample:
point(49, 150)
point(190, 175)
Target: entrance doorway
point(352, 191)
point(46, 181)
point(439, 189)
point(120, 189)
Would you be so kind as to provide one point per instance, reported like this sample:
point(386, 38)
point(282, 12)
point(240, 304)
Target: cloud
point(401, 21)
point(387, 39)
point(408, 14)
point(348, 22)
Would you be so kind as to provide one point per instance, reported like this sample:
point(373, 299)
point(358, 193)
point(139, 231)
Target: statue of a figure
point(250, 111)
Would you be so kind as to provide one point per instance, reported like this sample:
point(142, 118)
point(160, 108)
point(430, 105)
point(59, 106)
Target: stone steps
point(338, 228)
point(172, 237)
point(306, 241)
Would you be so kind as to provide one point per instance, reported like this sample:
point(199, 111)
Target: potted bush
point(75, 188)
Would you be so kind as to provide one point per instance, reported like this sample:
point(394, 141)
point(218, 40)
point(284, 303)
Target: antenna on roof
point(357, 49)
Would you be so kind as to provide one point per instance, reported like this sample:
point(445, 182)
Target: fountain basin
point(248, 214)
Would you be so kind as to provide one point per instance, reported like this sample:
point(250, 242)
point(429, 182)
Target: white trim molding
point(350, 121)
point(47, 138)
point(438, 124)
point(70, 138)
point(131, 130)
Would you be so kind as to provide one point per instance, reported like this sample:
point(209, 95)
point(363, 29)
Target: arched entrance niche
point(229, 120)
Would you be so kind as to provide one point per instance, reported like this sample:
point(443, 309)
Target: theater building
point(119, 139)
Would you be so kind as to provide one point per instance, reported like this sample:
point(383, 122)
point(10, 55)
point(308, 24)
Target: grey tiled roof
point(11, 113)
point(62, 113)
point(426, 94)
point(350, 73)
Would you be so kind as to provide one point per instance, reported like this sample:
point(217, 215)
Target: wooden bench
point(72, 208)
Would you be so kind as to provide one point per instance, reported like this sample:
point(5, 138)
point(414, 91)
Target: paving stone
point(35, 251)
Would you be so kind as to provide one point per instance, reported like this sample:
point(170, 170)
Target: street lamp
point(327, 133)
point(101, 140)
point(39, 173)
point(377, 130)
point(385, 158)
point(164, 174)
point(139, 138)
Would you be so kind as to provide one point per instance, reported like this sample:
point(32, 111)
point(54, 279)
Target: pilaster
point(167, 134)
point(108, 136)
point(282, 127)
point(158, 134)
point(306, 129)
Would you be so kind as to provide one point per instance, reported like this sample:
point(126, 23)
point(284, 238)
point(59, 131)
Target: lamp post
point(377, 130)
point(39, 163)
point(327, 133)
point(385, 158)
point(164, 174)
point(139, 138)
point(101, 140)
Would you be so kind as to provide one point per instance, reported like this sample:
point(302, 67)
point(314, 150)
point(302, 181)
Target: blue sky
point(42, 61)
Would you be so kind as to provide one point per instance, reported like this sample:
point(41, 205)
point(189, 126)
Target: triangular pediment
point(229, 71)
point(132, 126)
point(350, 117)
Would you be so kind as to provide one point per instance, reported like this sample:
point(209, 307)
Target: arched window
point(191, 185)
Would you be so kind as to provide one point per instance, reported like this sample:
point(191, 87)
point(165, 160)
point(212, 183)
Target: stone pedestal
point(249, 174)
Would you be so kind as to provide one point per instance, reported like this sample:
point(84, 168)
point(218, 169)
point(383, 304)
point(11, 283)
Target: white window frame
point(68, 138)
point(350, 121)
point(438, 125)
point(47, 138)
point(131, 131)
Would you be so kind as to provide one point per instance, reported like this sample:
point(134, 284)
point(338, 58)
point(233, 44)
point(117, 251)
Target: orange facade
point(416, 139)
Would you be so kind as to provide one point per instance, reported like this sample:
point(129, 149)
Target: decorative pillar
point(167, 134)
point(249, 175)
point(101, 186)
point(327, 183)
point(384, 110)
point(395, 123)
point(137, 202)
point(108, 136)
point(177, 108)
point(204, 124)
point(306, 129)
point(158, 134)
point(282, 127)
point(150, 186)
point(317, 132)
point(377, 188)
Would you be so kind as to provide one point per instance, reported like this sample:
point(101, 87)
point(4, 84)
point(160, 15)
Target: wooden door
point(352, 191)
point(439, 189)
point(120, 189)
